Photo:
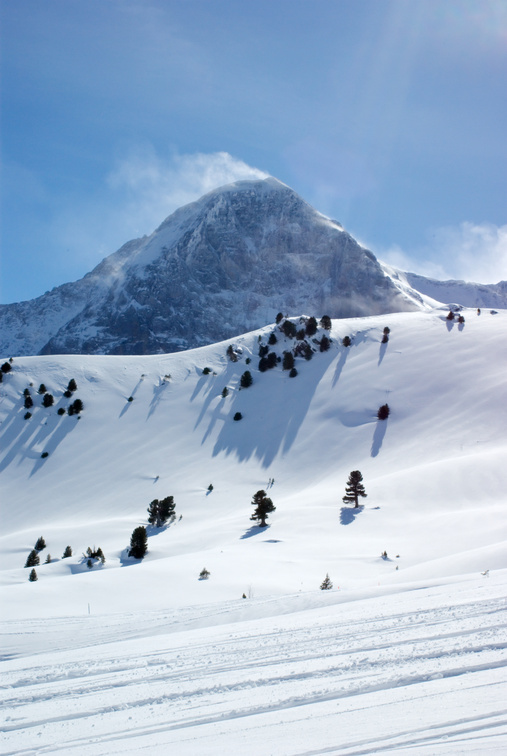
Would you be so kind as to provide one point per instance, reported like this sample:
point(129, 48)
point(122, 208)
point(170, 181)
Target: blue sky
point(388, 115)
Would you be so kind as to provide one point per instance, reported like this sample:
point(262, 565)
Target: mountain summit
point(217, 267)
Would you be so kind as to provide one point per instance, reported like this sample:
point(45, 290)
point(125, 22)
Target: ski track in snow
point(389, 674)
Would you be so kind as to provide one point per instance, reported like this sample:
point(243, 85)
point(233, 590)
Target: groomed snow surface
point(403, 655)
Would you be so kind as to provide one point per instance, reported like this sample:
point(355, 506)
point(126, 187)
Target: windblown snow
point(405, 654)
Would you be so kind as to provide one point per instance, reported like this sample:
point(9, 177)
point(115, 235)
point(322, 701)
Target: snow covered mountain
point(220, 266)
point(408, 650)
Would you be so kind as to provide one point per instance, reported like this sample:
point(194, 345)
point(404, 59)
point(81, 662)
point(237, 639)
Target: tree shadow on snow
point(349, 514)
point(254, 530)
point(275, 425)
point(378, 437)
point(382, 351)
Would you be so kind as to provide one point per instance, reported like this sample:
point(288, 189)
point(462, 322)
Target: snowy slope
point(191, 662)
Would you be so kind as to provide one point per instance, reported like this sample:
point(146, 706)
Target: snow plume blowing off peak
point(222, 265)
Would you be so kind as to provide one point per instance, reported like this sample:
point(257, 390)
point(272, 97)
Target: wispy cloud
point(153, 186)
point(471, 251)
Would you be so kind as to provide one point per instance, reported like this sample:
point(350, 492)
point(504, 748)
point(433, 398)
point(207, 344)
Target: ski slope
point(404, 654)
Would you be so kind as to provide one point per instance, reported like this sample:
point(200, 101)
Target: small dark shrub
point(27, 415)
point(72, 385)
point(263, 350)
point(450, 315)
point(272, 339)
point(204, 574)
point(6, 367)
point(325, 322)
point(248, 360)
point(272, 359)
point(48, 400)
point(206, 371)
point(238, 416)
point(225, 392)
point(231, 354)
point(40, 544)
point(461, 319)
point(44, 455)
point(78, 406)
point(26, 392)
point(61, 411)
point(130, 399)
point(48, 559)
point(386, 331)
point(67, 394)
point(279, 318)
point(28, 401)
point(293, 373)
point(385, 338)
point(346, 341)
point(383, 412)
point(300, 335)
point(42, 389)
point(67, 552)
point(33, 576)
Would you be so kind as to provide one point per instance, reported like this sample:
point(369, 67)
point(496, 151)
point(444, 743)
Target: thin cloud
point(471, 252)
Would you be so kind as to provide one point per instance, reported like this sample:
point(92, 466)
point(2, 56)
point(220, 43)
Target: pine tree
point(42, 389)
point(324, 344)
point(225, 392)
point(40, 544)
point(72, 385)
point(354, 488)
point(325, 322)
point(33, 576)
point(288, 361)
point(383, 412)
point(326, 584)
point(138, 543)
point(311, 326)
point(272, 339)
point(6, 367)
point(32, 559)
point(48, 559)
point(67, 552)
point(246, 379)
point(28, 401)
point(204, 574)
point(346, 341)
point(48, 400)
point(263, 506)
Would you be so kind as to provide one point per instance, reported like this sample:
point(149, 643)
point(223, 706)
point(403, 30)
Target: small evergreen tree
point(48, 559)
point(346, 341)
point(263, 506)
point(263, 350)
point(40, 544)
point(78, 406)
point(42, 389)
point(324, 344)
point(246, 379)
point(288, 361)
point(27, 415)
point(28, 401)
point(61, 411)
point(72, 385)
point(289, 329)
point(293, 373)
point(6, 367)
point(159, 512)
point(206, 371)
point(32, 559)
point(272, 339)
point(238, 416)
point(225, 392)
point(326, 584)
point(33, 576)
point(325, 322)
point(354, 488)
point(311, 326)
point(231, 354)
point(272, 360)
point(67, 552)
point(383, 412)
point(450, 315)
point(204, 574)
point(300, 335)
point(263, 364)
point(279, 318)
point(138, 543)
point(48, 400)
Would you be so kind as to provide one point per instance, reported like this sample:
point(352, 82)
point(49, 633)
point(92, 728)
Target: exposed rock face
point(220, 266)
